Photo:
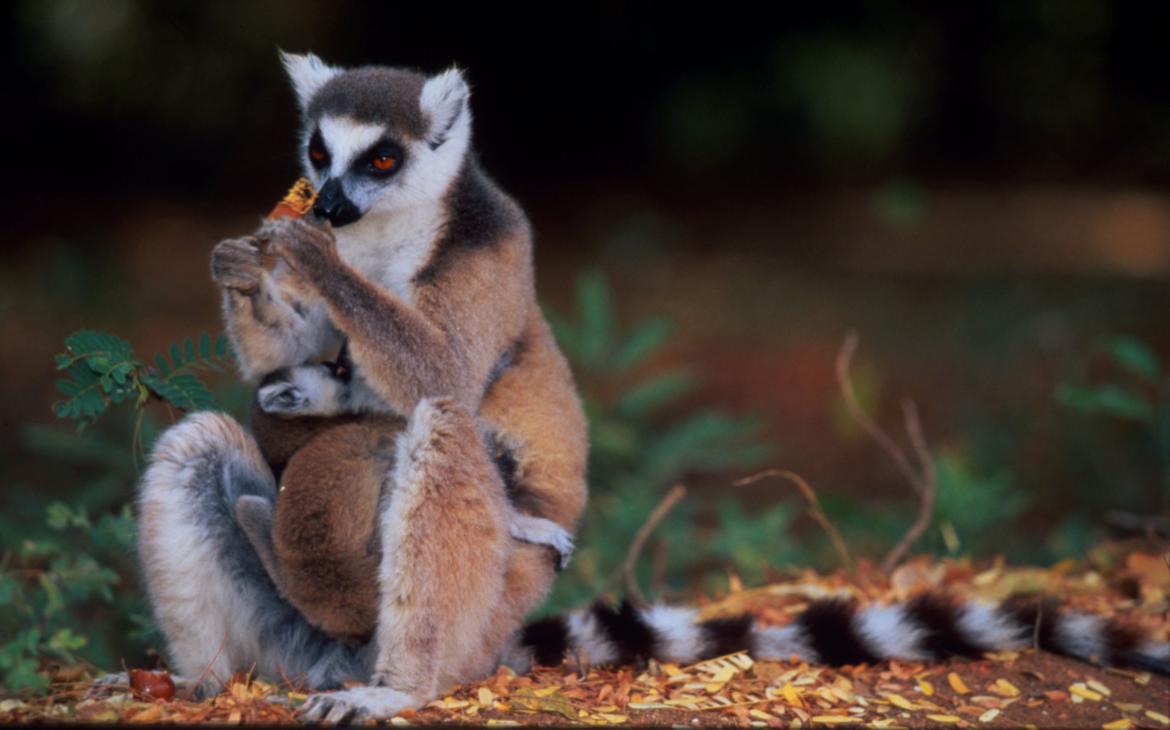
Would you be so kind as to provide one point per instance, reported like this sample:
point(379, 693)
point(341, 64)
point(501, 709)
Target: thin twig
point(926, 494)
point(857, 413)
point(922, 479)
point(626, 569)
point(814, 508)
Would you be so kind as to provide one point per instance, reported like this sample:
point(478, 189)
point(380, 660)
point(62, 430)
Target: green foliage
point(1125, 398)
point(102, 370)
point(56, 589)
point(1137, 394)
point(968, 506)
point(643, 439)
point(67, 582)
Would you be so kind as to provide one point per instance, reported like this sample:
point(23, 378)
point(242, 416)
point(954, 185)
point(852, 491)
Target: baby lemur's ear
point(308, 73)
point(444, 103)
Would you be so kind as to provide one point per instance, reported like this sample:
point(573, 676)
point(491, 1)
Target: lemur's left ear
point(307, 73)
point(444, 102)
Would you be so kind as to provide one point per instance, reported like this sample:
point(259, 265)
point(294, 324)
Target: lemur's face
point(378, 140)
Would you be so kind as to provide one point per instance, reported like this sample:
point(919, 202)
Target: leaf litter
point(1005, 689)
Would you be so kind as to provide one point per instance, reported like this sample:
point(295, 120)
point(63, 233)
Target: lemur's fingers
point(235, 264)
point(308, 248)
point(540, 531)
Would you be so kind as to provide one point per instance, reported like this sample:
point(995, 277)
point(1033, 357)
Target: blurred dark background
point(979, 189)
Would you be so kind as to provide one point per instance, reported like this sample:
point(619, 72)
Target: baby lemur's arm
point(468, 310)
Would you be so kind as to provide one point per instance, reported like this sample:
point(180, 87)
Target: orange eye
point(317, 155)
point(384, 163)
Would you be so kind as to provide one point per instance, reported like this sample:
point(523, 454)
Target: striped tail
point(834, 632)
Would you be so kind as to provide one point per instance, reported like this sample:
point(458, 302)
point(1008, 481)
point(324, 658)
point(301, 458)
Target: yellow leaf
point(832, 719)
point(485, 696)
point(761, 715)
point(945, 719)
point(671, 670)
point(1081, 690)
point(150, 714)
point(1121, 724)
point(898, 700)
point(1158, 716)
point(1098, 687)
point(926, 687)
point(613, 719)
point(1005, 688)
point(791, 695)
point(724, 675)
point(502, 723)
point(989, 715)
point(546, 691)
point(957, 684)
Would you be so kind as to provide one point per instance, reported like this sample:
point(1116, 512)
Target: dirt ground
point(1025, 688)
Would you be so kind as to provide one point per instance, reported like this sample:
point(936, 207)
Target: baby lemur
point(330, 441)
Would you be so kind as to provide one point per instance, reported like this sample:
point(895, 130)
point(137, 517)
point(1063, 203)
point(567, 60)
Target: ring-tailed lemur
point(427, 274)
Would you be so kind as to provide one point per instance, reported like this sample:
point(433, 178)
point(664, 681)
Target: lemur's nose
point(334, 206)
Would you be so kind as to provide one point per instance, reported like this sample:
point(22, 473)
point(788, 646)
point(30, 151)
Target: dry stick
point(927, 492)
point(814, 508)
point(844, 359)
point(672, 498)
point(922, 480)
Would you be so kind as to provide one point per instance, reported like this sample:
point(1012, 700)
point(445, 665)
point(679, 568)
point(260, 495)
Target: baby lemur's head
point(377, 140)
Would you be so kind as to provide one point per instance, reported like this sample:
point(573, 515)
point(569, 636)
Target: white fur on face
point(345, 139)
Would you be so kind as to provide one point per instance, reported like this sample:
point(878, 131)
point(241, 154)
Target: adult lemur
point(427, 274)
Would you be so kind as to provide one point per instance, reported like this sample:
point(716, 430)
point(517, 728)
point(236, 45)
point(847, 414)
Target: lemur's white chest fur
point(391, 248)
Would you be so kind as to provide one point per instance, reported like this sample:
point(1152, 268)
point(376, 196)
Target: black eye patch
point(318, 153)
point(383, 159)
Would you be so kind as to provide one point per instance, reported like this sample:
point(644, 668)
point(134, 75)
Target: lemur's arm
point(444, 345)
point(270, 326)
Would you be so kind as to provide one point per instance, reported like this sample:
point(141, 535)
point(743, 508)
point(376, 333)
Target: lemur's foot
point(539, 531)
point(356, 705)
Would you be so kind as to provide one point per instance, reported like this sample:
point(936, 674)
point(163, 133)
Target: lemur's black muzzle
point(333, 206)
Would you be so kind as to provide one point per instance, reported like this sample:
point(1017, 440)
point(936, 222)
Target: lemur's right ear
point(307, 73)
point(444, 102)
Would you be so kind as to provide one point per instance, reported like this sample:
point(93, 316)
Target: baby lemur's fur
point(331, 444)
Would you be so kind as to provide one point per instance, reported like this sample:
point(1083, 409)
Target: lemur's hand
point(309, 250)
point(235, 264)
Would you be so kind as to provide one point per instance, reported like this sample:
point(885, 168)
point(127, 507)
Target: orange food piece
point(297, 202)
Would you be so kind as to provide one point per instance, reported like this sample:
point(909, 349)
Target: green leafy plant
point(643, 439)
point(56, 588)
point(67, 584)
point(102, 370)
point(1141, 393)
point(1127, 397)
